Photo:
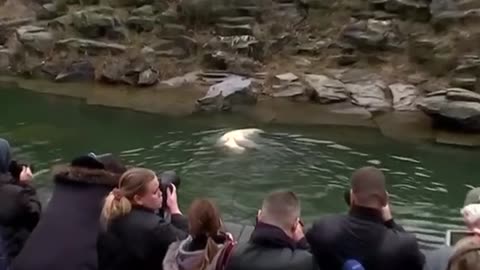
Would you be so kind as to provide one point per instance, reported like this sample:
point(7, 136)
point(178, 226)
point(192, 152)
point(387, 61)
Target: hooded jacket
point(65, 237)
point(187, 254)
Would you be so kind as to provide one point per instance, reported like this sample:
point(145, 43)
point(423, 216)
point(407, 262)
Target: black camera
point(15, 168)
point(166, 179)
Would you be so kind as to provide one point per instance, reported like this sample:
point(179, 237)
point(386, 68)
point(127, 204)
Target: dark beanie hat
point(104, 162)
point(112, 164)
point(87, 162)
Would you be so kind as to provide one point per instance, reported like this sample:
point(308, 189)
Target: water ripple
point(317, 167)
point(407, 159)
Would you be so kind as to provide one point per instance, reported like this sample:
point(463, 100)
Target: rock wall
point(377, 55)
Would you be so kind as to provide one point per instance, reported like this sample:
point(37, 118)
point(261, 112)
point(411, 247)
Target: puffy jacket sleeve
point(166, 233)
point(180, 222)
point(31, 206)
point(169, 232)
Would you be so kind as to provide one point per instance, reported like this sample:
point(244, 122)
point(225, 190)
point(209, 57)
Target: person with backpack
point(207, 245)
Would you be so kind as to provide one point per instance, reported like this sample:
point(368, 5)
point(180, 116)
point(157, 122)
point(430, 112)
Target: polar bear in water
point(239, 140)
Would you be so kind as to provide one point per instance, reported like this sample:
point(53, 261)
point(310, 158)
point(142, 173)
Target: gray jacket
point(178, 256)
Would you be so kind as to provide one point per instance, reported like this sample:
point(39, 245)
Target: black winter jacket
point(270, 248)
point(20, 211)
point(362, 235)
point(139, 240)
point(66, 236)
point(20, 207)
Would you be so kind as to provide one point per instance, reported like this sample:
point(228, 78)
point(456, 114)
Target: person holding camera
point(20, 207)
point(135, 236)
point(278, 241)
point(367, 236)
point(167, 179)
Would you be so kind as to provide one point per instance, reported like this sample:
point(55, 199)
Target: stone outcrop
point(369, 94)
point(145, 10)
point(129, 3)
point(288, 85)
point(326, 90)
point(438, 56)
point(97, 22)
point(467, 72)
point(91, 46)
point(36, 38)
point(403, 96)
point(245, 45)
point(136, 72)
point(48, 11)
point(228, 62)
point(78, 71)
point(5, 60)
point(418, 10)
point(371, 35)
point(453, 108)
point(228, 95)
point(141, 23)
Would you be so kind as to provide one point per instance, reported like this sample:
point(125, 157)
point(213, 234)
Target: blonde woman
point(135, 236)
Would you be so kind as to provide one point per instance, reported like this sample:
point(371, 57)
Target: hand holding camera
point(21, 172)
point(172, 203)
point(386, 211)
point(169, 182)
point(299, 233)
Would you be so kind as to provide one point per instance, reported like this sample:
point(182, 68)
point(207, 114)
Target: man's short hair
point(281, 208)
point(368, 184)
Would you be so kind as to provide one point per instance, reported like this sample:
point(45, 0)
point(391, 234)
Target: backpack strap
point(225, 255)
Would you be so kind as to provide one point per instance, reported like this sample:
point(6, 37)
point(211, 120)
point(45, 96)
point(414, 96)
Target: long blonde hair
point(119, 200)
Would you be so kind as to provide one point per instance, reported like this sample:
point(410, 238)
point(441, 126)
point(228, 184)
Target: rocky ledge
point(366, 58)
point(455, 108)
